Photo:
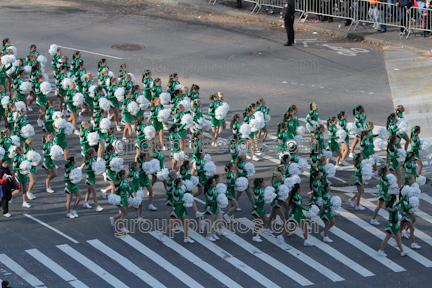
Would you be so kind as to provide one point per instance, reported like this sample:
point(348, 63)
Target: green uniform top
point(360, 120)
point(88, 166)
point(175, 142)
point(156, 91)
point(312, 116)
point(241, 172)
point(66, 178)
point(171, 86)
point(236, 128)
point(161, 157)
point(192, 95)
point(384, 186)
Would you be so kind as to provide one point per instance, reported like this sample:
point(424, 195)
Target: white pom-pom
point(221, 188)
point(14, 50)
point(283, 193)
point(114, 199)
point(382, 132)
point(2, 152)
point(210, 169)
point(250, 169)
point(313, 212)
point(207, 157)
point(401, 153)
point(242, 184)
point(105, 104)
point(186, 104)
point(53, 49)
point(417, 190)
point(298, 139)
point(352, 128)
point(118, 146)
point(407, 191)
point(187, 120)
point(267, 118)
point(15, 140)
point(147, 168)
point(8, 59)
point(11, 70)
point(5, 101)
point(221, 111)
point(82, 78)
point(46, 88)
point(204, 124)
point(414, 202)
point(93, 138)
point(336, 202)
point(65, 83)
point(42, 59)
point(11, 151)
point(69, 129)
point(56, 152)
point(300, 130)
point(78, 99)
point(302, 165)
point(421, 180)
point(135, 201)
point(27, 70)
point(133, 108)
point(293, 169)
point(75, 176)
point(119, 94)
point(25, 87)
point(392, 180)
point(188, 200)
point(143, 102)
point(195, 180)
point(104, 125)
point(245, 130)
point(163, 115)
point(342, 135)
point(116, 164)
point(403, 126)
point(98, 167)
point(256, 124)
point(378, 144)
point(425, 144)
point(222, 201)
point(269, 194)
point(312, 127)
point(327, 154)
point(330, 169)
point(25, 167)
point(291, 181)
point(368, 162)
point(132, 77)
point(367, 172)
point(188, 184)
point(92, 89)
point(20, 105)
point(165, 98)
point(108, 81)
point(179, 156)
point(155, 166)
point(111, 74)
point(27, 131)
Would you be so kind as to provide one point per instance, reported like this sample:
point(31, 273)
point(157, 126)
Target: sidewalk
point(337, 28)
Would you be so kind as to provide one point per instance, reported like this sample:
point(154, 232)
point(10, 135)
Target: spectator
point(8, 184)
point(402, 15)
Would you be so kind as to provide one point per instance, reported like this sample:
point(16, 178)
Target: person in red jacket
point(8, 183)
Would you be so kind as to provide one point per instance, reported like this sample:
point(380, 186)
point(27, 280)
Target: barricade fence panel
point(419, 19)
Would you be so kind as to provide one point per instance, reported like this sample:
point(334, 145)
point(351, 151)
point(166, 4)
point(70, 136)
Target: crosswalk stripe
point(251, 272)
point(126, 263)
point(269, 260)
point(57, 269)
point(426, 198)
point(297, 253)
point(202, 264)
point(364, 248)
point(99, 271)
point(337, 255)
point(150, 254)
point(20, 271)
point(384, 213)
point(381, 235)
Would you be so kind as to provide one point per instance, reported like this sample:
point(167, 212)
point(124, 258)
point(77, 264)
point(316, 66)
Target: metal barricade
point(419, 19)
point(279, 4)
point(256, 2)
point(380, 15)
point(328, 8)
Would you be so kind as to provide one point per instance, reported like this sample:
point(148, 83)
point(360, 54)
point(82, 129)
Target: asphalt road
point(88, 254)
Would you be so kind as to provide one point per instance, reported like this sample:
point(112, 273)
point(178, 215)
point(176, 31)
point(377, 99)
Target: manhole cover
point(260, 53)
point(128, 47)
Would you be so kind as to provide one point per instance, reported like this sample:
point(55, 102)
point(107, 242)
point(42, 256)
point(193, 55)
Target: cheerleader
point(155, 108)
point(408, 217)
point(122, 189)
point(296, 214)
point(345, 145)
point(98, 117)
point(70, 189)
point(382, 195)
point(98, 95)
point(282, 136)
point(392, 226)
point(48, 165)
point(112, 137)
point(102, 64)
point(217, 128)
point(234, 141)
point(135, 94)
point(199, 168)
point(41, 99)
point(2, 110)
point(400, 109)
point(80, 71)
point(21, 178)
point(144, 180)
point(172, 83)
point(6, 45)
point(221, 97)
point(71, 108)
point(6, 142)
point(276, 204)
point(235, 124)
point(88, 101)
point(326, 213)
point(294, 110)
point(127, 82)
point(104, 78)
point(55, 60)
point(172, 177)
point(134, 182)
point(285, 160)
point(194, 92)
point(176, 97)
point(33, 50)
point(20, 122)
point(89, 159)
point(231, 195)
point(156, 89)
point(16, 86)
point(197, 114)
point(313, 115)
point(185, 92)
point(360, 119)
point(211, 208)
point(370, 144)
point(3, 69)
point(331, 143)
point(178, 213)
point(147, 80)
point(409, 165)
point(122, 73)
point(158, 155)
point(110, 174)
point(84, 131)
point(114, 102)
point(178, 115)
point(185, 174)
point(142, 142)
point(318, 135)
point(247, 117)
point(197, 145)
point(266, 111)
point(416, 147)
point(28, 146)
point(127, 117)
point(358, 181)
point(316, 186)
point(242, 173)
point(11, 115)
point(289, 121)
point(392, 156)
point(60, 139)
point(175, 144)
point(61, 93)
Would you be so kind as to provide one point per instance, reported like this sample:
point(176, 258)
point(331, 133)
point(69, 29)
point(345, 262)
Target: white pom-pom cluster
point(98, 167)
point(300, 130)
point(116, 164)
point(134, 201)
point(336, 202)
point(65, 83)
point(15, 140)
point(222, 201)
point(187, 120)
point(93, 138)
point(119, 94)
point(258, 122)
point(242, 184)
point(114, 199)
point(111, 74)
point(2, 152)
point(163, 115)
point(179, 156)
point(143, 102)
point(25, 167)
point(421, 180)
point(195, 180)
point(53, 49)
point(42, 59)
point(27, 131)
point(367, 172)
point(298, 139)
point(45, 87)
point(293, 169)
point(104, 125)
point(149, 131)
point(20, 105)
point(327, 154)
point(165, 98)
point(283, 193)
point(78, 99)
point(291, 181)
point(382, 132)
point(403, 126)
point(25, 87)
point(188, 200)
point(302, 165)
point(424, 146)
point(11, 70)
point(312, 127)
point(221, 188)
point(27, 70)
point(186, 103)
point(417, 190)
point(56, 152)
point(408, 191)
point(250, 169)
point(269, 194)
point(132, 77)
point(368, 162)
point(210, 169)
point(330, 169)
point(188, 184)
point(8, 59)
point(5, 101)
point(414, 202)
point(313, 211)
point(267, 118)
point(75, 176)
point(204, 124)
point(378, 144)
point(92, 91)
point(222, 111)
point(342, 135)
point(392, 180)
point(151, 167)
point(245, 130)
point(68, 130)
point(133, 108)
point(105, 104)
point(401, 153)
point(352, 128)
point(11, 151)
point(207, 157)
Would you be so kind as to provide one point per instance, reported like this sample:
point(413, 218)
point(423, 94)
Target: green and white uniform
point(127, 117)
point(416, 146)
point(144, 179)
point(317, 188)
point(177, 209)
point(48, 162)
point(69, 186)
point(60, 138)
point(111, 175)
point(393, 163)
point(297, 208)
point(26, 150)
point(343, 125)
point(200, 171)
point(358, 176)
point(331, 143)
point(276, 203)
point(258, 206)
point(231, 185)
point(69, 100)
point(156, 91)
point(148, 83)
point(154, 111)
point(212, 109)
point(18, 159)
point(90, 175)
point(392, 224)
point(360, 120)
point(177, 120)
point(326, 211)
point(266, 111)
point(123, 189)
point(312, 116)
point(211, 205)
point(83, 140)
point(383, 190)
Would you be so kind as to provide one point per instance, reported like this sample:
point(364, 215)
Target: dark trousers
point(4, 202)
point(289, 26)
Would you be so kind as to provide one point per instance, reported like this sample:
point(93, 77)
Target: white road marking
point(20, 271)
point(76, 49)
point(52, 228)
